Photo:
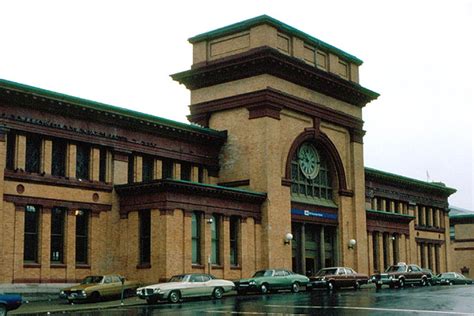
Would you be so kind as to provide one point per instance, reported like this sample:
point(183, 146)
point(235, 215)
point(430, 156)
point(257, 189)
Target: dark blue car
point(9, 302)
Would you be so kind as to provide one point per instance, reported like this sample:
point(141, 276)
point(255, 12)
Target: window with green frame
point(196, 238)
point(311, 174)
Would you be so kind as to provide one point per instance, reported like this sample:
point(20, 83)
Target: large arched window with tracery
point(311, 174)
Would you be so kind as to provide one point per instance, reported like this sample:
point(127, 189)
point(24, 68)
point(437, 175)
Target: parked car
point(400, 275)
point(9, 302)
point(337, 277)
point(185, 285)
point(96, 287)
point(265, 281)
point(450, 278)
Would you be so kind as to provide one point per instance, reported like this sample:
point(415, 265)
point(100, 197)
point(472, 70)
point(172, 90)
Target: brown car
point(96, 287)
point(337, 277)
point(400, 275)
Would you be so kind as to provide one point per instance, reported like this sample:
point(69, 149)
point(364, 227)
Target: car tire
point(295, 287)
point(423, 282)
point(356, 285)
point(151, 300)
point(450, 283)
point(3, 310)
point(174, 297)
point(217, 293)
point(401, 283)
point(95, 297)
point(69, 301)
point(378, 286)
point(331, 286)
point(264, 288)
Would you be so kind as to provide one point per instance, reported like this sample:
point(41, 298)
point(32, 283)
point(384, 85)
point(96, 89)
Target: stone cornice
point(389, 216)
point(266, 60)
point(269, 102)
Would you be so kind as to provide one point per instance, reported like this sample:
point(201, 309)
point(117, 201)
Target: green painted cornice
point(373, 174)
point(265, 19)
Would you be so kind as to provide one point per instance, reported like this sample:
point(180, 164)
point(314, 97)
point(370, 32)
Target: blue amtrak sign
point(319, 214)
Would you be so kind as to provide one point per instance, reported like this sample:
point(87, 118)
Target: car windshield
point(263, 273)
point(92, 279)
point(179, 278)
point(323, 272)
point(446, 275)
point(396, 269)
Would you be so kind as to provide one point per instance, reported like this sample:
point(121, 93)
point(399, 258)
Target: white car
point(185, 285)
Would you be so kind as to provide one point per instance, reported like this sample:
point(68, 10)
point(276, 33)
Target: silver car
point(185, 285)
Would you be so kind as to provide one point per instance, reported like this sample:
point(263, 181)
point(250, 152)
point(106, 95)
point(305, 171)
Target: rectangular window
point(58, 167)
point(11, 148)
point(145, 236)
point(148, 168)
point(57, 234)
point(234, 237)
point(185, 171)
point(215, 239)
point(82, 236)
point(395, 248)
point(420, 216)
point(196, 238)
point(83, 153)
point(33, 153)
point(385, 242)
point(103, 165)
point(428, 216)
point(422, 255)
point(30, 250)
point(201, 175)
point(131, 168)
point(167, 169)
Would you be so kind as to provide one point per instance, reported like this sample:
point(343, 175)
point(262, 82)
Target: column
point(187, 248)
point(225, 244)
point(402, 250)
point(322, 246)
point(95, 164)
point(370, 247)
point(176, 171)
point(195, 174)
point(392, 206)
point(422, 221)
point(374, 203)
point(47, 156)
point(158, 169)
point(390, 248)
point(303, 249)
point(138, 169)
point(44, 255)
point(384, 205)
point(70, 246)
point(20, 152)
point(71, 160)
point(380, 251)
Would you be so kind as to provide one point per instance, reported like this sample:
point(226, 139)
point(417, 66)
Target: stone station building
point(276, 147)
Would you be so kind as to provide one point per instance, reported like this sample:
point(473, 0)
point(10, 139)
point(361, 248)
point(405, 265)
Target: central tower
point(292, 107)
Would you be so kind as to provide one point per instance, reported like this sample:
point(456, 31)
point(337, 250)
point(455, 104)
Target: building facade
point(275, 149)
point(461, 223)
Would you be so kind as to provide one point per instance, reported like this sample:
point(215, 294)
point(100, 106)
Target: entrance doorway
point(313, 247)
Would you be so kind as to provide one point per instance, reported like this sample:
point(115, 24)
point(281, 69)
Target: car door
point(191, 286)
point(340, 278)
point(414, 273)
point(116, 285)
point(106, 287)
point(279, 279)
point(350, 277)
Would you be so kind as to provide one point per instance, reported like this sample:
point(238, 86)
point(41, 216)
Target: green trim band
point(389, 213)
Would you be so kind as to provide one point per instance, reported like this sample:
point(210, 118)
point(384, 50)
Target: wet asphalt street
point(436, 300)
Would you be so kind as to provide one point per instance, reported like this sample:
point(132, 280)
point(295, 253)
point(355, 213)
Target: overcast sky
point(417, 54)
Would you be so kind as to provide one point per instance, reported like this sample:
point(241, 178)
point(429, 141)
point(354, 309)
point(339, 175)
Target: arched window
point(310, 174)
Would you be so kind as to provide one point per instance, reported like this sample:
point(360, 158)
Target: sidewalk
point(33, 292)
point(61, 306)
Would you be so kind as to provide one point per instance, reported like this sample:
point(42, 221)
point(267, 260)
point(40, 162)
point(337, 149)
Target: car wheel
point(450, 283)
point(378, 286)
point(264, 288)
point(174, 297)
point(423, 282)
point(151, 300)
point(401, 283)
point(3, 310)
point(331, 286)
point(218, 293)
point(69, 301)
point(295, 287)
point(95, 297)
point(356, 285)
